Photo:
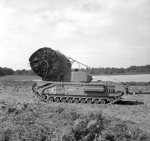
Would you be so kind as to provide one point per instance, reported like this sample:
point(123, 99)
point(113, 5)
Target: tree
point(6, 71)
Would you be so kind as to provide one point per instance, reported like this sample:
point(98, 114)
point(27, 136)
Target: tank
point(60, 84)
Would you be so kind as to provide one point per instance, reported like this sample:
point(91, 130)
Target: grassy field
point(24, 118)
point(20, 77)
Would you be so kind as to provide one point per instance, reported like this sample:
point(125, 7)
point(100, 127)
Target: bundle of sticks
point(50, 65)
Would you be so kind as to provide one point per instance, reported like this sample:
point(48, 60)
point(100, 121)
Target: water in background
point(115, 78)
point(123, 78)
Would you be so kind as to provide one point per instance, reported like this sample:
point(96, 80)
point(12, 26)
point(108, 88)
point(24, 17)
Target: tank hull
point(93, 93)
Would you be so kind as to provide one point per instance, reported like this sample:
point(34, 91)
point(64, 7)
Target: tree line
point(109, 71)
point(6, 71)
point(9, 71)
point(94, 71)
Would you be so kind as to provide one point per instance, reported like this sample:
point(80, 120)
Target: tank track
point(70, 99)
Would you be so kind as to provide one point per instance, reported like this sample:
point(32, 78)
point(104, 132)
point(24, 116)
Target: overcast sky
point(99, 33)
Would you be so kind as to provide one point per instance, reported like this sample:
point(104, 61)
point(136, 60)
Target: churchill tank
point(60, 83)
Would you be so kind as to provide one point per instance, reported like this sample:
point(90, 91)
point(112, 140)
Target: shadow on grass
point(127, 102)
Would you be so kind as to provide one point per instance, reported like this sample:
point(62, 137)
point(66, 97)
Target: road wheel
point(63, 100)
point(82, 100)
point(111, 100)
point(57, 99)
point(89, 101)
point(50, 99)
point(76, 100)
point(96, 101)
point(69, 100)
point(102, 101)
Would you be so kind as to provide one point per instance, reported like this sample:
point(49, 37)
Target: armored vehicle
point(61, 84)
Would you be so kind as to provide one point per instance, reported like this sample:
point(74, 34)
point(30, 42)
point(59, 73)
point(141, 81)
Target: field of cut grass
point(24, 118)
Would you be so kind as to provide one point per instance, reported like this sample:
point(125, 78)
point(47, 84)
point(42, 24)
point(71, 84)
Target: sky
point(98, 33)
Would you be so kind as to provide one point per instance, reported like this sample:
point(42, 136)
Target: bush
point(86, 128)
point(124, 131)
point(95, 127)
